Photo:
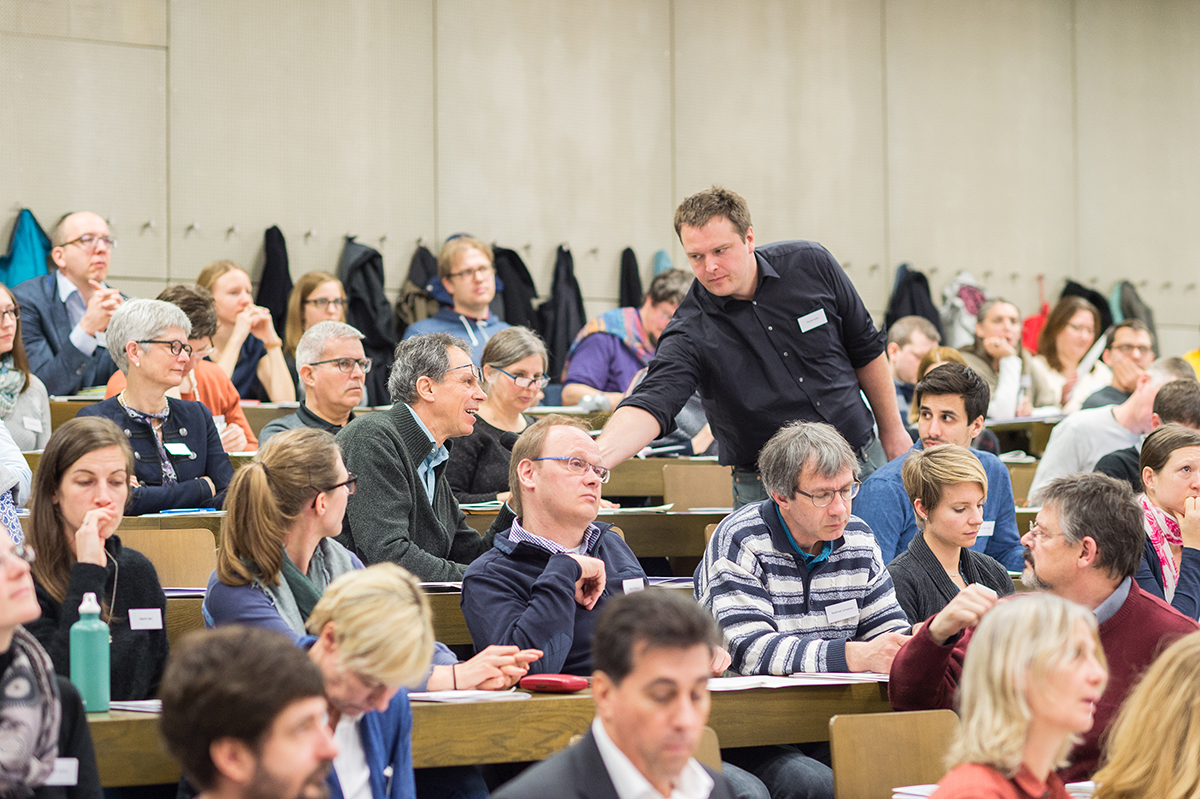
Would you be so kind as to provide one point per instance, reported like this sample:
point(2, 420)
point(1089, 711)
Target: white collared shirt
point(76, 308)
point(350, 765)
point(692, 783)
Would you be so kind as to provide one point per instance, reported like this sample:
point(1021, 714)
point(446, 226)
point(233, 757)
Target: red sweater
point(925, 676)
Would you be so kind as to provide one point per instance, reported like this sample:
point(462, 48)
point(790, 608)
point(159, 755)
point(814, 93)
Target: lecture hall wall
point(1009, 139)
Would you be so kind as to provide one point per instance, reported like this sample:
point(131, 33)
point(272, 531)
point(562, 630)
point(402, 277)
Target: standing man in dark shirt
point(768, 335)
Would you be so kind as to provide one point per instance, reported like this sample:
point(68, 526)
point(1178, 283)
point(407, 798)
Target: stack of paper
point(768, 681)
point(913, 791)
point(468, 696)
point(138, 706)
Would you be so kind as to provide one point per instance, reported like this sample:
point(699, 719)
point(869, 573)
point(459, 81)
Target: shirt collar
point(519, 535)
point(809, 560)
point(765, 270)
point(693, 781)
point(65, 287)
point(1109, 607)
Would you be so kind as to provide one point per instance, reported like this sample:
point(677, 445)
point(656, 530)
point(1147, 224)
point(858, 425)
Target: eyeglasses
point(88, 241)
point(21, 552)
point(324, 302)
point(351, 484)
point(579, 466)
point(822, 499)
point(475, 373)
point(1082, 329)
point(1037, 532)
point(525, 382)
point(477, 272)
point(14, 312)
point(1129, 349)
point(347, 364)
point(176, 346)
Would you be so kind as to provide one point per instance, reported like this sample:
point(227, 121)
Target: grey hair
point(139, 320)
point(421, 356)
point(1104, 509)
point(798, 444)
point(511, 345)
point(311, 347)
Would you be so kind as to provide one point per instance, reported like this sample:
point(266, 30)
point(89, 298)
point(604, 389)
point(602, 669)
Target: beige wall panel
point(1139, 159)
point(554, 126)
point(142, 22)
point(980, 141)
point(317, 119)
point(84, 128)
point(782, 102)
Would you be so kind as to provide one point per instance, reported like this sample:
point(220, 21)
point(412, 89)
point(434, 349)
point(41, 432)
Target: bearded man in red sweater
point(1085, 546)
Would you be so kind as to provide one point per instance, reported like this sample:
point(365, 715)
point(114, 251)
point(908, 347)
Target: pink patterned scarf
point(1163, 531)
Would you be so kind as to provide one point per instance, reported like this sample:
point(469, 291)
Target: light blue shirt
point(1109, 607)
point(432, 460)
point(76, 308)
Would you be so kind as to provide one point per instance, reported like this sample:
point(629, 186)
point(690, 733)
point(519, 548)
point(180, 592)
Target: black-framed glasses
point(351, 484)
point(479, 271)
point(347, 364)
point(579, 466)
point(14, 312)
point(325, 302)
point(822, 499)
point(20, 551)
point(176, 346)
point(88, 241)
point(525, 382)
point(474, 370)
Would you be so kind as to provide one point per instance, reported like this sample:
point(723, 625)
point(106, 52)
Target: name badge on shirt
point(177, 448)
point(986, 529)
point(633, 585)
point(145, 619)
point(219, 421)
point(841, 611)
point(65, 773)
point(35, 424)
point(814, 319)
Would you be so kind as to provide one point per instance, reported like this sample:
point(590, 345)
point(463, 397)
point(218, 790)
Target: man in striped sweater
point(797, 584)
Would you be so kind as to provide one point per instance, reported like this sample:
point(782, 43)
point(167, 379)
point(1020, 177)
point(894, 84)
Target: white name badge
point(177, 448)
point(145, 619)
point(65, 773)
point(219, 421)
point(841, 611)
point(814, 319)
point(35, 424)
point(986, 529)
point(633, 585)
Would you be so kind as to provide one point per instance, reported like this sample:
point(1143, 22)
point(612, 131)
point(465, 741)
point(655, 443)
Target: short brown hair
point(1127, 324)
point(229, 683)
point(670, 286)
point(1179, 402)
point(901, 331)
point(530, 445)
point(928, 472)
point(1102, 508)
point(197, 303)
point(1158, 446)
point(453, 247)
point(703, 206)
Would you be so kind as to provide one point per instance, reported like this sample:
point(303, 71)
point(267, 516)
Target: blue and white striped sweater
point(772, 610)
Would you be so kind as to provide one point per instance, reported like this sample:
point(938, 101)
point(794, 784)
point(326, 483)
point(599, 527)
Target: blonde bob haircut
point(382, 624)
point(928, 472)
point(267, 496)
point(1013, 648)
point(1165, 705)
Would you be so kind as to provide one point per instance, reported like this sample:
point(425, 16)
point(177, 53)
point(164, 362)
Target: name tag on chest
point(33, 424)
point(814, 319)
point(633, 585)
point(841, 611)
point(177, 448)
point(145, 619)
point(66, 772)
point(986, 529)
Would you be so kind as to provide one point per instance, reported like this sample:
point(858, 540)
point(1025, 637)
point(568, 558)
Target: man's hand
point(965, 610)
point(875, 655)
point(998, 347)
point(721, 660)
point(895, 442)
point(1125, 373)
point(1189, 523)
point(591, 582)
point(495, 668)
point(233, 438)
point(100, 308)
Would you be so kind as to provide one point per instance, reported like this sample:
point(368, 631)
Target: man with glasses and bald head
point(65, 313)
point(404, 511)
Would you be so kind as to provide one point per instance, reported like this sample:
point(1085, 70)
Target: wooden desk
point(642, 477)
point(170, 521)
point(649, 535)
point(449, 626)
point(258, 414)
point(62, 411)
point(1038, 431)
point(501, 732)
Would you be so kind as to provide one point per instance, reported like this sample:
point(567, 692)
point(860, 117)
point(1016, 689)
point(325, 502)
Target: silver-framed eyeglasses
point(525, 382)
point(1037, 532)
point(822, 499)
point(472, 368)
point(324, 303)
point(20, 551)
point(176, 346)
point(88, 241)
point(578, 466)
point(347, 364)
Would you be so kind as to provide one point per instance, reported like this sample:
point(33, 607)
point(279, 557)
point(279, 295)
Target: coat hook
point(845, 265)
point(383, 238)
point(232, 230)
point(1142, 283)
point(933, 270)
point(594, 252)
point(1166, 286)
point(873, 268)
point(148, 224)
point(420, 241)
point(1014, 275)
point(1190, 287)
point(527, 247)
point(310, 233)
point(1094, 279)
point(194, 227)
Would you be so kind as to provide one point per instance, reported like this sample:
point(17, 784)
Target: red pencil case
point(554, 683)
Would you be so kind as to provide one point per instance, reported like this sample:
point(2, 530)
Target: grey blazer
point(922, 586)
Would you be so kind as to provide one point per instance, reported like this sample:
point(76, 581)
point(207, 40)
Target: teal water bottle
point(89, 655)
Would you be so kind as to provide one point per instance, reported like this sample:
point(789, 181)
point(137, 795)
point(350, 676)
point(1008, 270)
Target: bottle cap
point(89, 603)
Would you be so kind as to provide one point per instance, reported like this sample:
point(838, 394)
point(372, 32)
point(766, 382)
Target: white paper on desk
point(468, 696)
point(1081, 790)
point(651, 509)
point(184, 592)
point(770, 681)
point(913, 791)
point(481, 507)
point(441, 588)
point(138, 706)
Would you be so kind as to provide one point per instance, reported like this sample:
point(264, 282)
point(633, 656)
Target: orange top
point(975, 781)
point(214, 389)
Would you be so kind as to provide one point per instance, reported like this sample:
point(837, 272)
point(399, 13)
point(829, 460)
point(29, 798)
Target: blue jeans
point(788, 772)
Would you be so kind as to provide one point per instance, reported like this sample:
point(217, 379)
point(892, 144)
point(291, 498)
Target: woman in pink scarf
point(1170, 463)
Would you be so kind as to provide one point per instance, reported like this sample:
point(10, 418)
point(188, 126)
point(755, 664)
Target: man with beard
point(1085, 546)
point(244, 713)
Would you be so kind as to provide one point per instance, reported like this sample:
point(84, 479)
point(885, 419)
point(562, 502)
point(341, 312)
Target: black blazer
point(578, 772)
point(45, 331)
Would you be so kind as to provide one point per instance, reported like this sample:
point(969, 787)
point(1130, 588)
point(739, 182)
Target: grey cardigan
point(922, 586)
point(33, 404)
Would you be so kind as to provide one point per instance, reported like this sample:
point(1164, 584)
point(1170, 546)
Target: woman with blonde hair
point(246, 345)
point(1030, 683)
point(947, 487)
point(1165, 705)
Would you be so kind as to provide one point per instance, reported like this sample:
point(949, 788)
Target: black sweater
point(137, 657)
point(478, 465)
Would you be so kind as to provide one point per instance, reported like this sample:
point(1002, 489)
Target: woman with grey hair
point(514, 367)
point(178, 457)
